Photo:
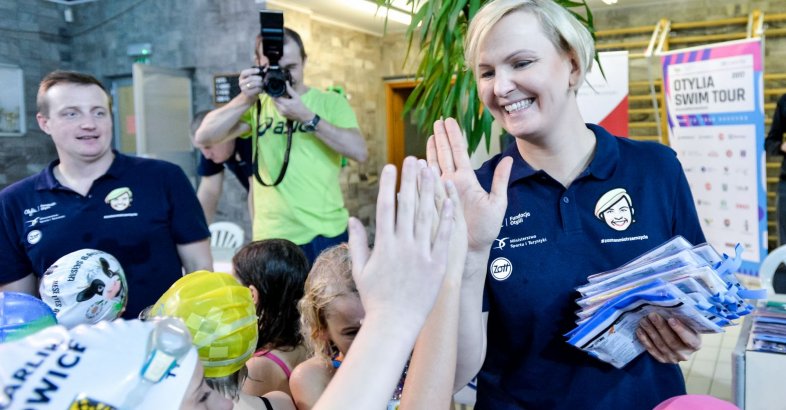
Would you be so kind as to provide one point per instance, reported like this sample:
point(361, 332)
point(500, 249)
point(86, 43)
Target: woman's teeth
point(520, 105)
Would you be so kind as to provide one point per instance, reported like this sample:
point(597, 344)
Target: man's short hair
point(60, 76)
point(290, 34)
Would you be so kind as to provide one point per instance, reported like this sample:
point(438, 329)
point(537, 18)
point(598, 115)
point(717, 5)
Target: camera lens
point(275, 85)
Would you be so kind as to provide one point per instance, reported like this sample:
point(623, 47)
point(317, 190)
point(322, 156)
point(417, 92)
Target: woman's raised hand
point(483, 211)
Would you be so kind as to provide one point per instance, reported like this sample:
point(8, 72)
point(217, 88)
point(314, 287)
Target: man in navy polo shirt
point(142, 211)
point(234, 155)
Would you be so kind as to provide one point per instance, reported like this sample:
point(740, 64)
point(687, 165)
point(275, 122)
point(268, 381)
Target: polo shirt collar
point(607, 153)
point(521, 169)
point(602, 165)
point(47, 180)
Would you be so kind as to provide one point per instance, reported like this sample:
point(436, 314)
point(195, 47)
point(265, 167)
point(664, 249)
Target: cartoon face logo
point(105, 291)
point(119, 199)
point(616, 209)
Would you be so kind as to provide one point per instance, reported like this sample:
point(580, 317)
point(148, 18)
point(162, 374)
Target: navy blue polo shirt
point(240, 163)
point(632, 197)
point(139, 211)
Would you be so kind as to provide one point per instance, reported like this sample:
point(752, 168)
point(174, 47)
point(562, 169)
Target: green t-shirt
point(308, 201)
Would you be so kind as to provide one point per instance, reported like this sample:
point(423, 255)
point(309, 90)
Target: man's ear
point(254, 294)
point(43, 122)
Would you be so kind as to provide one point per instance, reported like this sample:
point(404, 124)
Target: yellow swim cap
point(221, 316)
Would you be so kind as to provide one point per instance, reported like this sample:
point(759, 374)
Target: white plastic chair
point(226, 236)
point(767, 271)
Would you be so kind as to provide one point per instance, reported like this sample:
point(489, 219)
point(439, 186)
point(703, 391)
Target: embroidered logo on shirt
point(40, 207)
point(616, 209)
point(119, 199)
point(519, 242)
point(501, 243)
point(33, 237)
point(44, 219)
point(516, 219)
point(501, 268)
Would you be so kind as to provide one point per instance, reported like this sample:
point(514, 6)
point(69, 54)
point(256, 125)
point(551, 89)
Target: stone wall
point(34, 39)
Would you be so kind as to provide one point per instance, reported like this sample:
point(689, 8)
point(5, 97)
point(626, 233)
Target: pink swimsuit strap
point(277, 360)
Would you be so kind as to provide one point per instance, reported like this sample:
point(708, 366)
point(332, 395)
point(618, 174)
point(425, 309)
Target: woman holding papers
point(571, 200)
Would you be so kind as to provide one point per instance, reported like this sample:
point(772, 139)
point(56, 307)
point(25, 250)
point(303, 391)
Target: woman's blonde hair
point(330, 278)
point(566, 33)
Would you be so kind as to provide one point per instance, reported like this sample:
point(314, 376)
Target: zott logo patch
point(501, 268)
point(33, 237)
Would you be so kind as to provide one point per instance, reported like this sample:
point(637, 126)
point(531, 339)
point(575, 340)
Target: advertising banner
point(715, 109)
point(604, 101)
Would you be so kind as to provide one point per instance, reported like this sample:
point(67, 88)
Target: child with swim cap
point(220, 315)
point(81, 368)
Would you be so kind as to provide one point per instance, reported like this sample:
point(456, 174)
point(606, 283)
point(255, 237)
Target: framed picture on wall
point(12, 101)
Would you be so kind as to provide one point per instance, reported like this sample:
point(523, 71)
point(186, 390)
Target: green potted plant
point(445, 88)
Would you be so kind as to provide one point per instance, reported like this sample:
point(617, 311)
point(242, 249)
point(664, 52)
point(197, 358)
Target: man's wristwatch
point(311, 125)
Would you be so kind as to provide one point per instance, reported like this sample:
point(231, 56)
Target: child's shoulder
point(309, 380)
point(313, 369)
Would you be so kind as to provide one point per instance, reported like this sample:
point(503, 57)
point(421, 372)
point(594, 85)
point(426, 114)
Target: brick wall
point(31, 38)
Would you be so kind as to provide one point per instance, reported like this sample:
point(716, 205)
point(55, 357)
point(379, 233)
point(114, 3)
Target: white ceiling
point(351, 13)
point(346, 13)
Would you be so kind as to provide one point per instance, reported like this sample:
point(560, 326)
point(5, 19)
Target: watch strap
point(311, 124)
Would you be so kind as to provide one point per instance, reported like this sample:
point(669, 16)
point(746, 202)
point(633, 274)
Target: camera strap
point(255, 162)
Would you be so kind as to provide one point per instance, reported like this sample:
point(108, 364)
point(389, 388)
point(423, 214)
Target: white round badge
point(33, 237)
point(501, 268)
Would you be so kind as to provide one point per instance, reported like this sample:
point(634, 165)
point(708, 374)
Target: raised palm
point(483, 211)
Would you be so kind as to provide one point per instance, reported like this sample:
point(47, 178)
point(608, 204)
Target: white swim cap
point(87, 366)
point(85, 286)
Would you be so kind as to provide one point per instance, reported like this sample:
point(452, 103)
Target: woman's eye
point(522, 64)
point(487, 74)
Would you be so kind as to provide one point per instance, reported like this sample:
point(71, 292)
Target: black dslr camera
point(274, 78)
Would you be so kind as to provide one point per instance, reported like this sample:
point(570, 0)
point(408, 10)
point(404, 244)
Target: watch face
point(311, 124)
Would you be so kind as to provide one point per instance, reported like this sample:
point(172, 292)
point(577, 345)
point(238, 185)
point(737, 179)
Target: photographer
point(306, 206)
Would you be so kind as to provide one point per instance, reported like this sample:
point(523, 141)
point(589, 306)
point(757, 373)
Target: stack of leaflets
point(769, 328)
point(676, 280)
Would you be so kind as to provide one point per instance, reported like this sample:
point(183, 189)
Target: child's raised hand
point(445, 191)
point(400, 278)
